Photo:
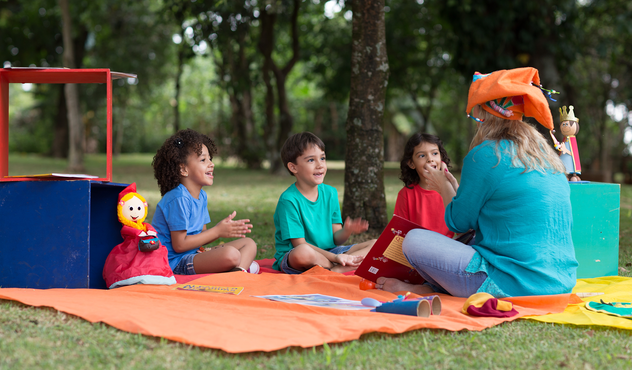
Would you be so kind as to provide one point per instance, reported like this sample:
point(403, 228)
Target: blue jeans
point(442, 262)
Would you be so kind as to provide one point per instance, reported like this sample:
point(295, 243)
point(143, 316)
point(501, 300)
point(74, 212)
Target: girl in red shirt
point(416, 202)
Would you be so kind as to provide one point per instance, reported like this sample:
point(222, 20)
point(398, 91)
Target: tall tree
point(229, 29)
point(599, 81)
point(181, 13)
point(364, 162)
point(268, 17)
point(75, 125)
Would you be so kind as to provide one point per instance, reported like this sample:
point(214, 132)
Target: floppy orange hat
point(511, 93)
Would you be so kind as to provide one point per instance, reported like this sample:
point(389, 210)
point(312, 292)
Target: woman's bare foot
point(395, 285)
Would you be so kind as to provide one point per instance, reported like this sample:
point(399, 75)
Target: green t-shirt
point(298, 217)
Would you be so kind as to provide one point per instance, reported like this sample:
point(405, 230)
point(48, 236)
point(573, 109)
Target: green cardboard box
point(596, 210)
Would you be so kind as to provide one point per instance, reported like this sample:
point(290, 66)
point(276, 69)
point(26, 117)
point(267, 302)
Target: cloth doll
point(140, 258)
point(569, 154)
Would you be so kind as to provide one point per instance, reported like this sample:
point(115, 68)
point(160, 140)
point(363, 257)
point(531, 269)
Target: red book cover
point(386, 257)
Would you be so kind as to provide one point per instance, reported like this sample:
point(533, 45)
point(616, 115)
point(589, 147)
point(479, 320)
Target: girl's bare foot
point(395, 285)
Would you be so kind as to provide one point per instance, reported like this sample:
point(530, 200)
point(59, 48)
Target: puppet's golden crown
point(568, 116)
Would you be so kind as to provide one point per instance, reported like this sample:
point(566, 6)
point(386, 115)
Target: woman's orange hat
point(511, 93)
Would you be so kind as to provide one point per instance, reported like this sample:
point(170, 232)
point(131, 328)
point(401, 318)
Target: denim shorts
point(185, 266)
point(285, 267)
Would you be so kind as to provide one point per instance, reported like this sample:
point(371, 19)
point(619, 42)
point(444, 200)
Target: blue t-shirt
point(522, 220)
point(298, 217)
point(176, 211)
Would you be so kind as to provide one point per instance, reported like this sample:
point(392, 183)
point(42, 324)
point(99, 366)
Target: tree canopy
point(251, 72)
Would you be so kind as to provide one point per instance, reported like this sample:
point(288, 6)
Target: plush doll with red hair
point(140, 259)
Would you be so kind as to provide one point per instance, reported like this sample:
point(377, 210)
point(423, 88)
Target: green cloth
point(298, 217)
point(621, 309)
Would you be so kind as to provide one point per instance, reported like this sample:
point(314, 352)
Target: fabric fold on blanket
point(243, 323)
point(614, 289)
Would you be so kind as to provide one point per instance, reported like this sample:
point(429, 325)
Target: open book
point(59, 176)
point(386, 257)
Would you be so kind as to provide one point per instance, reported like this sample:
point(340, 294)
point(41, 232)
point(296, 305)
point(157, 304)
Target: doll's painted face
point(568, 128)
point(134, 209)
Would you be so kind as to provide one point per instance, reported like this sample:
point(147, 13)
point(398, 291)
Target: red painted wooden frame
point(49, 76)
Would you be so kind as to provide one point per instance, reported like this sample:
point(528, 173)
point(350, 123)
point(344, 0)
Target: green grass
point(42, 338)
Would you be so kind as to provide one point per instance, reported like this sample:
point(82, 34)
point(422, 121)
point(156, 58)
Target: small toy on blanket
point(422, 306)
point(485, 305)
point(141, 258)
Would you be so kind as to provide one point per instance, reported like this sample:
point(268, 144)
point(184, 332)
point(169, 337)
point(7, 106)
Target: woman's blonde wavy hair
point(532, 151)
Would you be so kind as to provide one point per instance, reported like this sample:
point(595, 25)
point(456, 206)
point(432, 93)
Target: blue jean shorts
point(286, 268)
point(185, 266)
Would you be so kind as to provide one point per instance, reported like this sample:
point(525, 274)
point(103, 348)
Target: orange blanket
point(242, 323)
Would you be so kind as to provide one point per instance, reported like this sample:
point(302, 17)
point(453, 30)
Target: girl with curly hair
point(416, 201)
point(182, 167)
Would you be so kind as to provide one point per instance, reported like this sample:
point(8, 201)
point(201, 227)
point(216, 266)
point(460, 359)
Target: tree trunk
point(59, 148)
point(266, 46)
point(75, 126)
point(120, 127)
point(364, 162)
point(236, 64)
point(285, 122)
point(176, 97)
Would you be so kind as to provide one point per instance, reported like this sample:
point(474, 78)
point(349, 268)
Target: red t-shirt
point(423, 207)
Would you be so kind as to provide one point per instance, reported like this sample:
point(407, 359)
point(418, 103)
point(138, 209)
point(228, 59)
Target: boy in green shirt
point(307, 219)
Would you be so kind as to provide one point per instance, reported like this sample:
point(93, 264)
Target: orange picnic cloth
point(243, 323)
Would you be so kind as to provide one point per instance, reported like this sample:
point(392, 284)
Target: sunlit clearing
point(331, 8)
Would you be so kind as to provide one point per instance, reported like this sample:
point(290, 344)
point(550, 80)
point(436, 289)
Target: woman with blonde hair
point(513, 193)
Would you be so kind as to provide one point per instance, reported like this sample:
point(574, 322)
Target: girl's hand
point(435, 178)
point(348, 260)
point(356, 226)
point(441, 181)
point(229, 228)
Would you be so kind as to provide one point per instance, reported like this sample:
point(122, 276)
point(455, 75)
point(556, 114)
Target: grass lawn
point(42, 338)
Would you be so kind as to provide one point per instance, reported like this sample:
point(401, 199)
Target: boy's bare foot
point(395, 285)
point(342, 269)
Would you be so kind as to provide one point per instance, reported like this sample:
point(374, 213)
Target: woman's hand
point(450, 177)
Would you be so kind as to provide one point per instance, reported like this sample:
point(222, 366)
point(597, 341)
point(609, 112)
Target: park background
point(248, 73)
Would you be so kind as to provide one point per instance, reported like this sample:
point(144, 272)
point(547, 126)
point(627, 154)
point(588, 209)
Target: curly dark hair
point(408, 175)
point(296, 144)
point(173, 154)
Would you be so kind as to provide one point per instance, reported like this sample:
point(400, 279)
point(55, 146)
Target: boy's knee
point(302, 255)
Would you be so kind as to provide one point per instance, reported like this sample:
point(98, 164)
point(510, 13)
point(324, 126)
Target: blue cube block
point(57, 234)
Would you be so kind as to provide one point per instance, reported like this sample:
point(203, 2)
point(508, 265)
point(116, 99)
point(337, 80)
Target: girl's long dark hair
point(408, 175)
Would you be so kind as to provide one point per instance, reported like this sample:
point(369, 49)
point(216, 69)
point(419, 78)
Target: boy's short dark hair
point(296, 145)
